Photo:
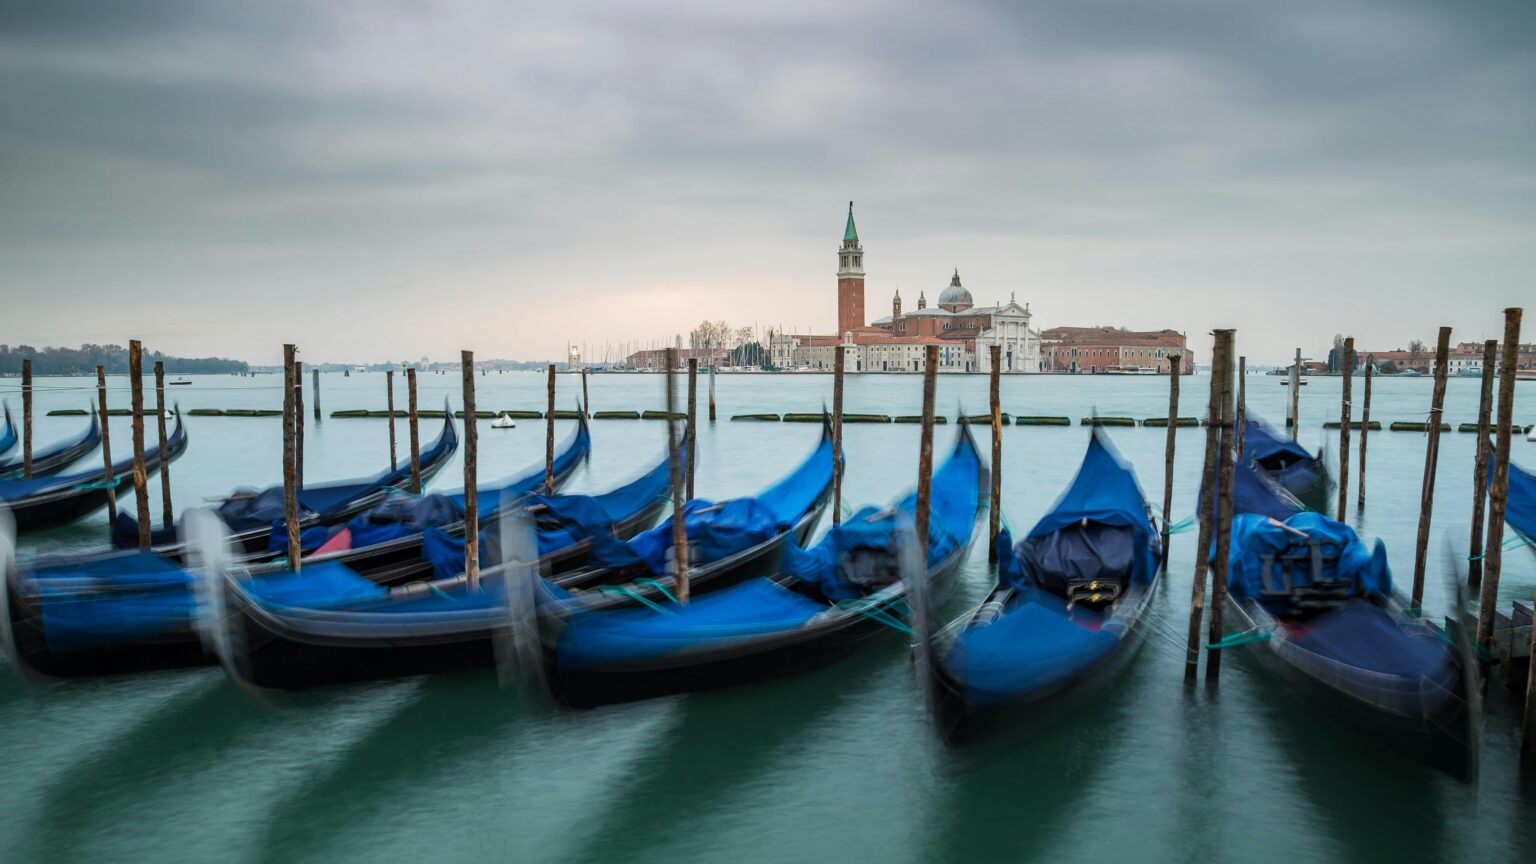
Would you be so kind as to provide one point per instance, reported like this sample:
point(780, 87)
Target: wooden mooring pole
point(1225, 466)
point(1204, 514)
point(415, 432)
point(298, 420)
point(389, 404)
point(679, 522)
point(1346, 410)
point(140, 472)
point(471, 498)
point(290, 456)
point(1175, 361)
point(1431, 462)
point(838, 354)
point(1498, 485)
point(167, 515)
point(549, 431)
point(691, 433)
point(995, 396)
point(1296, 395)
point(586, 405)
point(26, 417)
point(925, 452)
point(712, 366)
point(106, 442)
point(1242, 407)
point(1480, 470)
point(1365, 426)
point(314, 375)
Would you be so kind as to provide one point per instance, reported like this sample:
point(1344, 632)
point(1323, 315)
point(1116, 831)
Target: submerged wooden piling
point(415, 432)
point(838, 355)
point(1365, 427)
point(140, 473)
point(315, 382)
point(389, 398)
point(26, 417)
point(1223, 527)
point(549, 432)
point(691, 431)
point(471, 450)
point(995, 395)
point(1480, 470)
point(1347, 362)
point(1208, 477)
point(1175, 361)
point(1296, 395)
point(712, 365)
point(1498, 486)
point(106, 443)
point(167, 515)
point(925, 451)
point(298, 420)
point(1431, 461)
point(290, 457)
point(679, 522)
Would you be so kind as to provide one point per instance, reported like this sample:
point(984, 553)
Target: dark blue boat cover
point(1256, 493)
point(317, 586)
point(717, 531)
point(19, 490)
point(81, 610)
point(85, 441)
point(1268, 449)
point(952, 515)
point(1037, 646)
point(1286, 463)
point(1366, 636)
point(1520, 512)
point(1254, 537)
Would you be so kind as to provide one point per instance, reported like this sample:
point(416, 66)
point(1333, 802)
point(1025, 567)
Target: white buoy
point(503, 422)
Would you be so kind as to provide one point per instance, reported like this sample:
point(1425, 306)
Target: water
point(837, 764)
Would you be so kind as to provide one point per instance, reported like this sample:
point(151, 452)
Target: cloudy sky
point(376, 180)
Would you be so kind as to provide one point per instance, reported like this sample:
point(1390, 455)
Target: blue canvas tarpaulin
point(1520, 506)
point(1345, 558)
point(1037, 645)
point(19, 489)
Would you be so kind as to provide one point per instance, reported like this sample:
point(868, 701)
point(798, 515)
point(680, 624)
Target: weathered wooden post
point(26, 417)
point(1175, 361)
point(1205, 514)
point(389, 403)
point(837, 430)
point(1296, 395)
point(298, 419)
point(691, 432)
point(1225, 467)
point(1498, 486)
point(1365, 426)
point(925, 451)
point(1242, 407)
point(1431, 460)
point(1347, 362)
point(586, 406)
point(415, 433)
point(549, 433)
point(712, 365)
point(471, 498)
point(1480, 470)
point(315, 382)
point(994, 518)
point(167, 515)
point(106, 442)
point(140, 472)
point(674, 455)
point(290, 456)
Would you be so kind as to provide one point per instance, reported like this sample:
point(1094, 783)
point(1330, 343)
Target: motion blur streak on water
point(838, 764)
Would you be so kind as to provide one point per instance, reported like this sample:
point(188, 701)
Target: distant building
point(1465, 358)
point(1110, 349)
point(656, 358)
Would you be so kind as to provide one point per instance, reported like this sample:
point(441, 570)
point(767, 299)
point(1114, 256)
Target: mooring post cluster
point(1215, 512)
point(1480, 470)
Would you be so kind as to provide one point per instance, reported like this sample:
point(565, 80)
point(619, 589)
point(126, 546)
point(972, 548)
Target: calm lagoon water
point(837, 765)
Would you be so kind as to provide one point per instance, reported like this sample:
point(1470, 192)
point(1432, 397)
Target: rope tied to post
point(871, 610)
point(1242, 637)
point(1180, 526)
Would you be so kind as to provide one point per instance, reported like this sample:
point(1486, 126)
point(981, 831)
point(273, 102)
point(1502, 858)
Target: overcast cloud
point(378, 180)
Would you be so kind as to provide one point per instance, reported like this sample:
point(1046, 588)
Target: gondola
point(54, 459)
point(255, 519)
point(46, 502)
point(1317, 609)
point(132, 611)
point(8, 436)
point(277, 638)
point(825, 603)
point(1289, 465)
point(1066, 615)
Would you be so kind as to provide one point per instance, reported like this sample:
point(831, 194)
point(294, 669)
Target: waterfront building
point(656, 358)
point(1111, 349)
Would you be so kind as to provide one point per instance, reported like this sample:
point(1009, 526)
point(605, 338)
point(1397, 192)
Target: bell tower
point(850, 279)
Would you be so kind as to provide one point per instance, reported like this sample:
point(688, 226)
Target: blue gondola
point(1288, 465)
point(8, 436)
point(1520, 506)
point(1066, 613)
point(824, 603)
point(52, 460)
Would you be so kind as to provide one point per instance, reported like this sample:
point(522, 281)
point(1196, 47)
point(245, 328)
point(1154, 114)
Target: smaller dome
point(955, 294)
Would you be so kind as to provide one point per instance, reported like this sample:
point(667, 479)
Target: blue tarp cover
point(1520, 510)
point(1034, 647)
point(76, 617)
point(1254, 537)
point(320, 586)
point(16, 490)
point(1366, 636)
point(1266, 447)
point(1256, 493)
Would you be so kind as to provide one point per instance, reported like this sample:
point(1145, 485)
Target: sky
point(377, 181)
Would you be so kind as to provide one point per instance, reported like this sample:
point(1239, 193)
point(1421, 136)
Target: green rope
point(1180, 526)
point(658, 586)
point(106, 484)
point(1514, 542)
point(873, 612)
point(439, 592)
point(626, 591)
point(1232, 640)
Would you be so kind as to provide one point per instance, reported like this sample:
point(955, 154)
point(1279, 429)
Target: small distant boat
point(503, 422)
point(1301, 381)
point(1469, 372)
point(1410, 373)
point(181, 382)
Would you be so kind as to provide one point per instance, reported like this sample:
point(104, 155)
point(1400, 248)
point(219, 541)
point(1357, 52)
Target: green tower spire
point(850, 234)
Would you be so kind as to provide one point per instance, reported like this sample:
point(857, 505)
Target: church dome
point(955, 294)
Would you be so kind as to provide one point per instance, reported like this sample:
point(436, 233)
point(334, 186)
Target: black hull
point(55, 461)
point(71, 504)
